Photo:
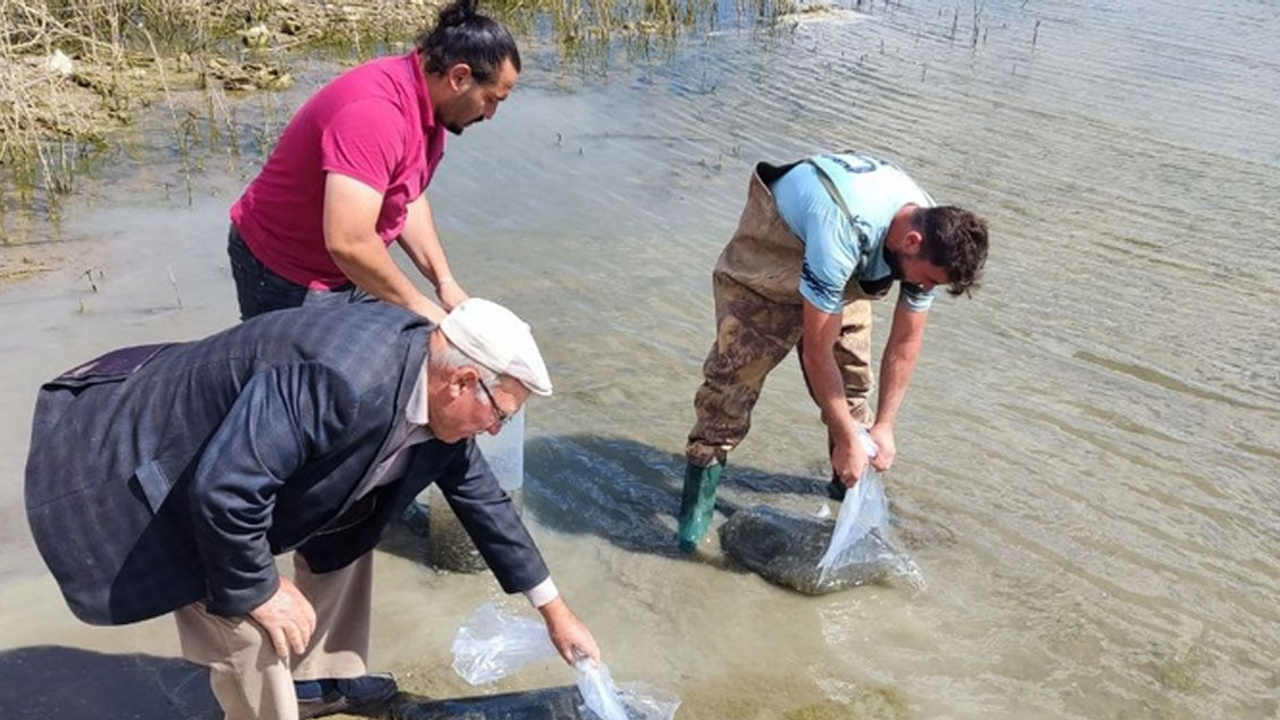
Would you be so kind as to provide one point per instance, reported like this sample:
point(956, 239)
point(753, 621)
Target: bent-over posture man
point(164, 479)
point(817, 241)
point(350, 172)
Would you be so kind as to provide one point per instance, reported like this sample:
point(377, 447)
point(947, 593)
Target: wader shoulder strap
point(864, 242)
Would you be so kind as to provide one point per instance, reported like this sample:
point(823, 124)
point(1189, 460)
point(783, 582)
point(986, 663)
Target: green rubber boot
point(698, 503)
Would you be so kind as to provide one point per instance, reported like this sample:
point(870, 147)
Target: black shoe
point(836, 489)
point(347, 695)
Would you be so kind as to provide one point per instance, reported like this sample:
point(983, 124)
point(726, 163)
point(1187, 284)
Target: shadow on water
point(49, 681)
point(628, 493)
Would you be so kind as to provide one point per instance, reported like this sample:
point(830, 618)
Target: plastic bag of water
point(862, 527)
point(493, 644)
point(603, 700)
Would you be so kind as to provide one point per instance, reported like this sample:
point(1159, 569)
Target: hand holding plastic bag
point(493, 645)
point(864, 508)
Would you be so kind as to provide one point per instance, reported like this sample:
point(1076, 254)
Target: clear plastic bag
point(493, 644)
point(862, 528)
point(863, 511)
point(599, 694)
point(505, 452)
point(603, 700)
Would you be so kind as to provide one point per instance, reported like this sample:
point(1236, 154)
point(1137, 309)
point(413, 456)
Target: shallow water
point(1088, 450)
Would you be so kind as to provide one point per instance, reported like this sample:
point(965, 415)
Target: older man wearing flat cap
point(166, 478)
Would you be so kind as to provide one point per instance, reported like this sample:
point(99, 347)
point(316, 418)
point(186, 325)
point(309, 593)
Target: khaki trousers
point(759, 319)
point(249, 680)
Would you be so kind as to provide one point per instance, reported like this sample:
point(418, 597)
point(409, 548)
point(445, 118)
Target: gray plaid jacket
point(162, 475)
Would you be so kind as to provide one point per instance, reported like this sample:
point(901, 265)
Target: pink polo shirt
point(373, 123)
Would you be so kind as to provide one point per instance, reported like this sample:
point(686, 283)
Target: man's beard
point(895, 267)
point(457, 128)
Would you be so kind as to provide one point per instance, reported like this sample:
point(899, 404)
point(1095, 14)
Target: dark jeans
point(259, 290)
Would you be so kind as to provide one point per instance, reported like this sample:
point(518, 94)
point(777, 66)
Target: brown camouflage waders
point(759, 319)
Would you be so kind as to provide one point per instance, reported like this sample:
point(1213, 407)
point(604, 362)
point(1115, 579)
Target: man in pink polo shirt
point(346, 179)
point(349, 174)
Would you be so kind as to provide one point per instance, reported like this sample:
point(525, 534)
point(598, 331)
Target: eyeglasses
point(498, 413)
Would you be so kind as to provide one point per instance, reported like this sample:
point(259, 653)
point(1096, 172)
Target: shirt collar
point(425, 108)
point(416, 411)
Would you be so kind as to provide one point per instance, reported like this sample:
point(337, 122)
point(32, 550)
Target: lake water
point(1089, 449)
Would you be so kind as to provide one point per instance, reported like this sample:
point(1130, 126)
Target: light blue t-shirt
point(836, 252)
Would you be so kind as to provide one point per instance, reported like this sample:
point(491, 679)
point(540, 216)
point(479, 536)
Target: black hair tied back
point(456, 13)
point(463, 35)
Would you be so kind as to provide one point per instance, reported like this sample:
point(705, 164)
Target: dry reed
point(72, 70)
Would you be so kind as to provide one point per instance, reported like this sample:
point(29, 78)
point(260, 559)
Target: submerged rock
point(450, 547)
point(784, 548)
point(429, 533)
point(637, 701)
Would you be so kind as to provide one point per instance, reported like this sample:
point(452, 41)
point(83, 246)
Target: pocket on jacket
point(115, 366)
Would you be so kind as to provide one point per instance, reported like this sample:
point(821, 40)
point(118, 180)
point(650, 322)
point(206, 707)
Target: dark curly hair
point(462, 35)
point(955, 239)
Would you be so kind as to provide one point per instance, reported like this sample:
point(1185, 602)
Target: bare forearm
point(430, 261)
point(898, 364)
point(828, 391)
point(895, 376)
point(351, 210)
point(422, 243)
point(368, 264)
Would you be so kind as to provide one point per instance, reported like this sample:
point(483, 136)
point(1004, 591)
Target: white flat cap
point(495, 338)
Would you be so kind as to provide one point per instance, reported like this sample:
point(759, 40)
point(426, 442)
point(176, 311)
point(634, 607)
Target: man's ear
point(463, 381)
point(459, 76)
point(912, 243)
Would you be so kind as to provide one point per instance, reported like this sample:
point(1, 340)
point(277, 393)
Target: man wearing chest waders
point(819, 240)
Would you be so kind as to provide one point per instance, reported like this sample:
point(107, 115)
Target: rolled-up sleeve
point(916, 298)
